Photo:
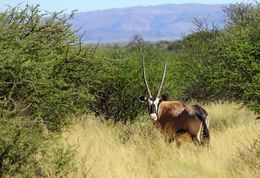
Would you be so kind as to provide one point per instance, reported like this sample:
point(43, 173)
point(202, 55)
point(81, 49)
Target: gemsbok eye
point(142, 99)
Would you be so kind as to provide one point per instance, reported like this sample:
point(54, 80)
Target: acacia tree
point(44, 71)
point(44, 74)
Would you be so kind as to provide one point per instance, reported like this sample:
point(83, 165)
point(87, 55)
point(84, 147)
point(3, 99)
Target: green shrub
point(44, 72)
point(224, 64)
point(119, 84)
point(44, 78)
point(19, 143)
point(26, 147)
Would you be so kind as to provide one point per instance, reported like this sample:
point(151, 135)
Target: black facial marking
point(152, 109)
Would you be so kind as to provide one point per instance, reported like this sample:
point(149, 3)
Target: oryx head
point(152, 102)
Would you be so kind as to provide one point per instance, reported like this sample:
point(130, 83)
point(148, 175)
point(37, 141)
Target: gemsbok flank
point(174, 118)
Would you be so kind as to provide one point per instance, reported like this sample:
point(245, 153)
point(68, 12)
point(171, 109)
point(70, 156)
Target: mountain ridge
point(154, 23)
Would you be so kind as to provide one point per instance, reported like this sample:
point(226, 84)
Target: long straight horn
point(145, 80)
point(163, 77)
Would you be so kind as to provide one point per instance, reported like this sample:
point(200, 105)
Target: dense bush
point(117, 87)
point(224, 64)
point(43, 79)
point(43, 71)
point(27, 149)
point(19, 141)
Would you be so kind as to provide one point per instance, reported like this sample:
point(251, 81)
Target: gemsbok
point(174, 118)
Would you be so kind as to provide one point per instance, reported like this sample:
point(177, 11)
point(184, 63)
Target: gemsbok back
point(173, 117)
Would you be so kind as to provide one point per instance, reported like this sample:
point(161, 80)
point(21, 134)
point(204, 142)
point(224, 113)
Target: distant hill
point(154, 23)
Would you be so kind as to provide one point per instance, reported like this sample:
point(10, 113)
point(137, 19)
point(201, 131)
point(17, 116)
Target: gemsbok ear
point(142, 99)
point(165, 97)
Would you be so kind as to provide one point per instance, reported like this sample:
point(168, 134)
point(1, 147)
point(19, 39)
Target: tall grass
point(138, 150)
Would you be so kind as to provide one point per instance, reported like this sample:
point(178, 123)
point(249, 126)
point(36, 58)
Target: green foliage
point(56, 160)
point(28, 149)
point(43, 69)
point(224, 64)
point(19, 140)
point(44, 76)
point(119, 84)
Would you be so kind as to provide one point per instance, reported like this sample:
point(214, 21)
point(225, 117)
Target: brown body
point(174, 118)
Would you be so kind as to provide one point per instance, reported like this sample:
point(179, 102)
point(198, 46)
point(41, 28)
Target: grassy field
point(138, 150)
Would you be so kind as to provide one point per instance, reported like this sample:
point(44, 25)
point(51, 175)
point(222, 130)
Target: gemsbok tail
point(205, 136)
point(202, 116)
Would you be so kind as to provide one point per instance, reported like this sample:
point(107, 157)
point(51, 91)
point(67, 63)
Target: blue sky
point(90, 5)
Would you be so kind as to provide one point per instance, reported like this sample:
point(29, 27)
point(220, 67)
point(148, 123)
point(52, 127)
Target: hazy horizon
point(87, 5)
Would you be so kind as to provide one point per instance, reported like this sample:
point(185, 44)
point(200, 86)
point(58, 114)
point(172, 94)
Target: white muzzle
point(153, 116)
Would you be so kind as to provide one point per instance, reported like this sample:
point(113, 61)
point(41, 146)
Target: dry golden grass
point(138, 150)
